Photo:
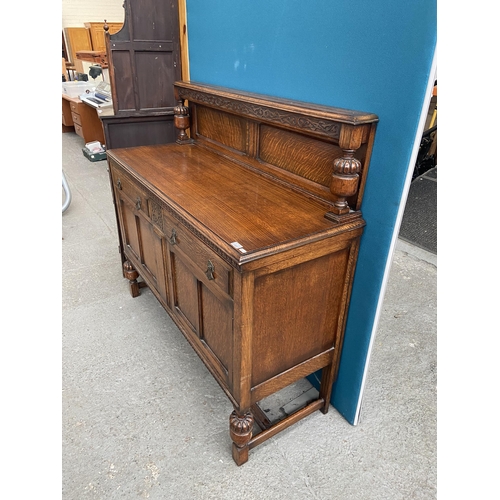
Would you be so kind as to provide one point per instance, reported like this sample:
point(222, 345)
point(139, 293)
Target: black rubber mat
point(419, 224)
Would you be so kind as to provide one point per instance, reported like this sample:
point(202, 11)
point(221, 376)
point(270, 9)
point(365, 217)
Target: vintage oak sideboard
point(247, 231)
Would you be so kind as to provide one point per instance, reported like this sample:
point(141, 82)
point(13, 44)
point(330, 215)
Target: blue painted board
point(367, 55)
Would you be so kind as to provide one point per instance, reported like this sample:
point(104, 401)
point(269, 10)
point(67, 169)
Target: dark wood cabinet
point(144, 62)
point(248, 234)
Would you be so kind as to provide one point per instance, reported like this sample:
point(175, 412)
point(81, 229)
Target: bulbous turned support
point(344, 181)
point(181, 122)
point(240, 430)
point(131, 274)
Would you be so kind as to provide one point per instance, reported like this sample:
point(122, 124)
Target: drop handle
point(138, 203)
point(119, 184)
point(210, 270)
point(173, 237)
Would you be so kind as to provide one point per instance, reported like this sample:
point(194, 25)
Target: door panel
point(185, 285)
point(217, 326)
point(131, 236)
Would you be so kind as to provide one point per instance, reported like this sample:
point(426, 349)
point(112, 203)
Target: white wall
point(77, 12)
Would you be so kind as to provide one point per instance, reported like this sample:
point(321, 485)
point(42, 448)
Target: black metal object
point(425, 161)
point(95, 71)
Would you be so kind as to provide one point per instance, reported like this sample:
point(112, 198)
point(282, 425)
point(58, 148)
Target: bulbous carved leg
point(240, 429)
point(131, 274)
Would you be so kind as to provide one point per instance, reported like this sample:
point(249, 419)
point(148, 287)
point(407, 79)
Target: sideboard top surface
point(229, 200)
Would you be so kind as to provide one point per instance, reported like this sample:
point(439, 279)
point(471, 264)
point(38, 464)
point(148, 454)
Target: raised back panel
point(298, 154)
point(293, 142)
point(222, 128)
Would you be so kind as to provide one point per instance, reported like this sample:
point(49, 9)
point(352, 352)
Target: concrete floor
point(143, 418)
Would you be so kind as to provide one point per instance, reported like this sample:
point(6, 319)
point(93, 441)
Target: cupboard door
point(97, 34)
point(205, 311)
point(143, 246)
point(77, 39)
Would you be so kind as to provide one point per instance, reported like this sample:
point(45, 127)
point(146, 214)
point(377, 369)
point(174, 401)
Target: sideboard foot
point(240, 455)
point(131, 274)
point(240, 429)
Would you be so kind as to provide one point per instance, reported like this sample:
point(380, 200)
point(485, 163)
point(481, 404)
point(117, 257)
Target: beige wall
point(77, 12)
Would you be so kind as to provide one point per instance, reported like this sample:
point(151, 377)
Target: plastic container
point(93, 152)
point(74, 89)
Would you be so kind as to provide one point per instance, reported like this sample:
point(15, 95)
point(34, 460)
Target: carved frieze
point(263, 113)
point(157, 207)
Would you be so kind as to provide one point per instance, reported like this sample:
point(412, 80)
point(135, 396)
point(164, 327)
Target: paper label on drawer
point(238, 247)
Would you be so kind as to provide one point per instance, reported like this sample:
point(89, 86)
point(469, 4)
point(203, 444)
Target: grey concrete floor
point(143, 418)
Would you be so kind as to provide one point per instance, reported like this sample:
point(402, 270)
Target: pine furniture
point(83, 118)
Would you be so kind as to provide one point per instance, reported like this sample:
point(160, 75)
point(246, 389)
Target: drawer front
point(79, 130)
point(74, 106)
point(213, 269)
point(136, 196)
point(76, 118)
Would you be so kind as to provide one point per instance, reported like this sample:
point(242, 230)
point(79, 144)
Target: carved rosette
point(344, 182)
point(181, 122)
point(240, 428)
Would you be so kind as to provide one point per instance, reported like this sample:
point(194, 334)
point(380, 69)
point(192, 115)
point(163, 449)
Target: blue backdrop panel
point(367, 55)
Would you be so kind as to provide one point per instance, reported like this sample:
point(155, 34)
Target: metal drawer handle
point(210, 270)
point(119, 184)
point(173, 237)
point(138, 203)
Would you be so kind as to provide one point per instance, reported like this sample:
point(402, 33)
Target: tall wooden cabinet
point(91, 37)
point(144, 62)
point(97, 33)
point(77, 39)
